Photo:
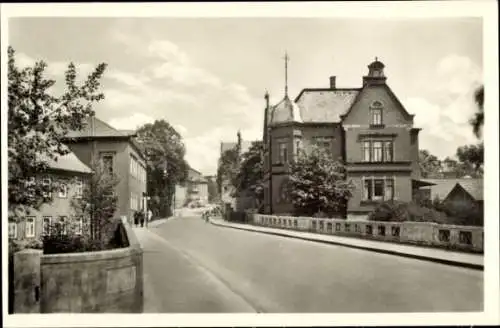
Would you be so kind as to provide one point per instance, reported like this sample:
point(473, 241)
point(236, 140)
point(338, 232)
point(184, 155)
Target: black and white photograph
point(271, 163)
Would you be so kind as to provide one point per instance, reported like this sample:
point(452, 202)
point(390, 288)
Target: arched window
point(376, 113)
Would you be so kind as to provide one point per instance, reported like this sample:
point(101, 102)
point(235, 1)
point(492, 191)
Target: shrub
point(237, 216)
point(70, 244)
point(463, 214)
point(18, 245)
point(60, 239)
point(395, 211)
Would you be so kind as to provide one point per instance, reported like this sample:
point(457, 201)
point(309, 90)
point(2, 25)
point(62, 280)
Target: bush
point(395, 211)
point(463, 214)
point(18, 245)
point(58, 241)
point(70, 244)
point(240, 217)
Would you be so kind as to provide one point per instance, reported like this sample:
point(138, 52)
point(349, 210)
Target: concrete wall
point(26, 281)
point(467, 238)
point(91, 282)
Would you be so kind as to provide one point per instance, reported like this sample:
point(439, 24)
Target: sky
point(207, 76)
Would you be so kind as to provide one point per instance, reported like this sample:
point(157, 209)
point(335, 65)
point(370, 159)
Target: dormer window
point(376, 114)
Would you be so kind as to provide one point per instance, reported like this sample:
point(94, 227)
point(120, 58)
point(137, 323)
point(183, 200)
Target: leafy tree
point(477, 121)
point(318, 184)
point(250, 173)
point(165, 151)
point(455, 168)
point(228, 168)
point(37, 122)
point(430, 165)
point(213, 195)
point(472, 156)
point(98, 202)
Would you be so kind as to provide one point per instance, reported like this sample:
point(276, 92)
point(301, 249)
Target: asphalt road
point(194, 267)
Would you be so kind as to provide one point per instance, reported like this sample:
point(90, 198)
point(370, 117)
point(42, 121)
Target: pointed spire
point(286, 73)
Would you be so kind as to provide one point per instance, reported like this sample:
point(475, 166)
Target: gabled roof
point(101, 130)
point(443, 187)
point(69, 163)
point(325, 105)
point(474, 187)
point(391, 94)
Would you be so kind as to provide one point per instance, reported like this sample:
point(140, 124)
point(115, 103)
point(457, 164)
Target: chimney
point(332, 82)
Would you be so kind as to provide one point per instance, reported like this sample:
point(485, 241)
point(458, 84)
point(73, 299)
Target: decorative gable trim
point(395, 98)
point(356, 100)
point(391, 95)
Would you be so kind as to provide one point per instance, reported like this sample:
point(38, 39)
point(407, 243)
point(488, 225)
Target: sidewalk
point(157, 222)
point(473, 261)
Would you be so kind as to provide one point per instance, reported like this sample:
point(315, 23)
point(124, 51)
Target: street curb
point(377, 250)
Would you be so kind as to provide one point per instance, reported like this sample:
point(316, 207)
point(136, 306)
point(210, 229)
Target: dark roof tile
point(101, 129)
point(325, 105)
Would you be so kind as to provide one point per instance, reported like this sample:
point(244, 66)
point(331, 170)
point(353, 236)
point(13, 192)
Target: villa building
point(365, 127)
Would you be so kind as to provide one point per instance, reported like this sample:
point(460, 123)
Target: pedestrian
point(150, 215)
point(136, 218)
point(141, 218)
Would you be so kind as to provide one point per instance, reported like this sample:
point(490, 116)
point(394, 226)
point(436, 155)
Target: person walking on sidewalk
point(150, 215)
point(136, 218)
point(141, 218)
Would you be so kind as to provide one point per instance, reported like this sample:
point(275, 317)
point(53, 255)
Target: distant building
point(227, 189)
point(366, 127)
point(119, 154)
point(73, 175)
point(468, 195)
point(441, 188)
point(195, 190)
point(464, 194)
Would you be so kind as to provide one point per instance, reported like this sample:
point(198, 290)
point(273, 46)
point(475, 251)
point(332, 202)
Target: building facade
point(227, 189)
point(367, 128)
point(119, 154)
point(195, 190)
point(71, 175)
